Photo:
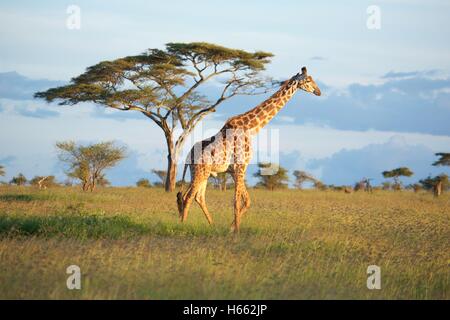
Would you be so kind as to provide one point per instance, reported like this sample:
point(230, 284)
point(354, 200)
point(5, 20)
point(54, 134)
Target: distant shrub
point(271, 180)
point(143, 183)
point(386, 185)
point(320, 186)
point(19, 180)
point(359, 186)
point(415, 187)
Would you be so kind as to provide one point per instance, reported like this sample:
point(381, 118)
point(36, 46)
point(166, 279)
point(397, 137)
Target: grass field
point(293, 245)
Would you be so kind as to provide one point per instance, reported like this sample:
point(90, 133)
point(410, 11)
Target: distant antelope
point(348, 190)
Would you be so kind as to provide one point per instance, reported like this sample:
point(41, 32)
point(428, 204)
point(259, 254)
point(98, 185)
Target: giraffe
point(437, 188)
point(230, 150)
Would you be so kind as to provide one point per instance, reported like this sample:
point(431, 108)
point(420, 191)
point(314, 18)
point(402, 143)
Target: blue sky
point(386, 99)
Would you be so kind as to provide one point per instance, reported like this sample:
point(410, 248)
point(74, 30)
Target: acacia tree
point(301, 177)
point(278, 180)
point(396, 174)
point(162, 176)
point(163, 85)
point(441, 181)
point(87, 163)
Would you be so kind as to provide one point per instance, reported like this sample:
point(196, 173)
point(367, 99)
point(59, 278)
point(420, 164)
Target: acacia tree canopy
point(302, 177)
point(396, 174)
point(444, 159)
point(161, 174)
point(402, 171)
point(163, 85)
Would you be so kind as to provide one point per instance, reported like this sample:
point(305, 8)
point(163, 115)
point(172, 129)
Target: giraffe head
point(306, 82)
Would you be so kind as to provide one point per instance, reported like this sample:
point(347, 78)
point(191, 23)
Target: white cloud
point(38, 43)
point(286, 119)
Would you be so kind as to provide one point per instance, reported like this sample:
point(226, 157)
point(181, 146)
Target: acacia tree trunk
point(397, 185)
point(93, 182)
point(92, 186)
point(173, 151)
point(172, 158)
point(171, 172)
point(85, 185)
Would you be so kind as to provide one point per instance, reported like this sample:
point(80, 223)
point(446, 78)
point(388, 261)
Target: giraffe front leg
point(237, 208)
point(188, 198)
point(240, 208)
point(200, 176)
point(200, 198)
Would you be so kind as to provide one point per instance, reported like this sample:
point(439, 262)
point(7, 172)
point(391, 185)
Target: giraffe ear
point(304, 72)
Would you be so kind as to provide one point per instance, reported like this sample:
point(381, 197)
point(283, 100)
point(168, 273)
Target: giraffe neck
point(260, 116)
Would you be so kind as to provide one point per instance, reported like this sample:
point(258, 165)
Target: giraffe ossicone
point(230, 150)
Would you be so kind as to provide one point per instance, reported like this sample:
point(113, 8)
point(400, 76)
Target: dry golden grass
point(293, 245)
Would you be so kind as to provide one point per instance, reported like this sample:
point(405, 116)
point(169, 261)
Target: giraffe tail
point(186, 165)
point(180, 193)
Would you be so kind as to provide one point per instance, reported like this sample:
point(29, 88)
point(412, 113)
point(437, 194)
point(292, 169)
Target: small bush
point(143, 183)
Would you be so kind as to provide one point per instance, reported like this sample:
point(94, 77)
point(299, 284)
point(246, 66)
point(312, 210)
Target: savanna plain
point(293, 244)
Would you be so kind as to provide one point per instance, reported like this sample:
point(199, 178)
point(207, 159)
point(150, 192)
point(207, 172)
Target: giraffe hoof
point(234, 230)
